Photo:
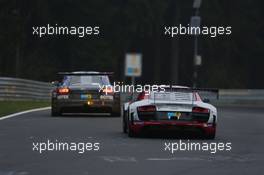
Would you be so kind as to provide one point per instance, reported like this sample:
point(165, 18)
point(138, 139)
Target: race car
point(178, 109)
point(84, 92)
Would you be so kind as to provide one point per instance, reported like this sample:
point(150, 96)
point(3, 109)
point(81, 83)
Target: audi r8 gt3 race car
point(85, 92)
point(177, 109)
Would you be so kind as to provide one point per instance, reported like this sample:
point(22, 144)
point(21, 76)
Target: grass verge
point(10, 107)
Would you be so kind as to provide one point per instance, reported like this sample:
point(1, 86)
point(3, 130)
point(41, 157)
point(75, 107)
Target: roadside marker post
point(133, 66)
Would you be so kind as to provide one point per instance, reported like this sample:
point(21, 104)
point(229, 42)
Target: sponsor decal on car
point(172, 115)
point(106, 97)
point(63, 97)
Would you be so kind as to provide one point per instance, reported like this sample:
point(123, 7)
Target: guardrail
point(240, 97)
point(241, 94)
point(22, 89)
point(249, 97)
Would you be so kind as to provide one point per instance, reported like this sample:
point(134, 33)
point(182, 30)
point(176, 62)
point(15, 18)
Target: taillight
point(200, 110)
point(149, 108)
point(143, 95)
point(63, 91)
point(108, 90)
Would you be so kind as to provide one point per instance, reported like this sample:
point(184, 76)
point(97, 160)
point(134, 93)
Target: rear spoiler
point(207, 90)
point(86, 73)
point(201, 91)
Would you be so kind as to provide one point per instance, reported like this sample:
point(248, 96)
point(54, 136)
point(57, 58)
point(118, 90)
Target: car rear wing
point(173, 97)
point(86, 73)
point(202, 91)
point(207, 93)
point(78, 73)
point(185, 95)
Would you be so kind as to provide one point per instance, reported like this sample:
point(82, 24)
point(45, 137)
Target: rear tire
point(54, 112)
point(124, 122)
point(116, 110)
point(131, 133)
point(115, 114)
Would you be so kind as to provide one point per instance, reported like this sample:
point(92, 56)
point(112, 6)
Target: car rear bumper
point(102, 106)
point(173, 126)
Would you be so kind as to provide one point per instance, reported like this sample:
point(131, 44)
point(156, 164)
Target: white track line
point(24, 112)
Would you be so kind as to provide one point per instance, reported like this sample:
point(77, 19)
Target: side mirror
point(129, 98)
point(55, 83)
point(206, 100)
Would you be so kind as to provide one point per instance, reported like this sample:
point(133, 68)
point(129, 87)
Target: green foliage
point(10, 107)
point(133, 26)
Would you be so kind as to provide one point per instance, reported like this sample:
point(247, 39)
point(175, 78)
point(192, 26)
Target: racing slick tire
point(116, 110)
point(55, 112)
point(124, 121)
point(115, 114)
point(130, 132)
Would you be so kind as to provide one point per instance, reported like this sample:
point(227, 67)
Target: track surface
point(118, 154)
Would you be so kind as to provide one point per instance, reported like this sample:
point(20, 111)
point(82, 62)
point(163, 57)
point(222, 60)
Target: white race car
point(178, 109)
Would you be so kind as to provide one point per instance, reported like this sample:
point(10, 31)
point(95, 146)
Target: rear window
point(86, 80)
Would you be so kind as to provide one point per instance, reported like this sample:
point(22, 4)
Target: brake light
point(108, 90)
point(149, 108)
point(143, 95)
point(200, 110)
point(63, 91)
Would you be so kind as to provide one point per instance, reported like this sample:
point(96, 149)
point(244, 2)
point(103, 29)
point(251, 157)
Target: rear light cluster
point(143, 95)
point(149, 108)
point(200, 110)
point(63, 91)
point(108, 91)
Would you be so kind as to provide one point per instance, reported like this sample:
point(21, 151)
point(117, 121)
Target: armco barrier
point(227, 97)
point(241, 94)
point(241, 97)
point(22, 89)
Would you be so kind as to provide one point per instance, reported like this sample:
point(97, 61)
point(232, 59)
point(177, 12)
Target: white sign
point(195, 21)
point(197, 4)
point(195, 24)
point(133, 65)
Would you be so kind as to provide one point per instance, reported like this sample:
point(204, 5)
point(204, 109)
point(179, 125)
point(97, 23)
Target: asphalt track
point(118, 154)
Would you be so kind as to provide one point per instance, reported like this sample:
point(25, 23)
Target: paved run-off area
point(118, 154)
